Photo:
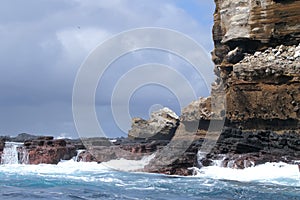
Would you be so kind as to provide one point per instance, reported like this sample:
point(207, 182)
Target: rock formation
point(249, 25)
point(103, 150)
point(2, 143)
point(161, 126)
point(257, 57)
point(257, 63)
point(240, 149)
point(48, 150)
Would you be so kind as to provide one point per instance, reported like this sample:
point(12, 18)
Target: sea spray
point(129, 165)
point(76, 158)
point(277, 173)
point(200, 157)
point(14, 153)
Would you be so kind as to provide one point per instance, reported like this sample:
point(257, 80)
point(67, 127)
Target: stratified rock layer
point(263, 90)
point(253, 24)
point(257, 56)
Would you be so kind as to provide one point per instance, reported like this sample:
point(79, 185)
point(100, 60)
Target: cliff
point(257, 63)
point(252, 25)
point(257, 56)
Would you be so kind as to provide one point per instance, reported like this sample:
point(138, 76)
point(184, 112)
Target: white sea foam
point(13, 153)
point(72, 167)
point(276, 173)
point(273, 173)
point(128, 165)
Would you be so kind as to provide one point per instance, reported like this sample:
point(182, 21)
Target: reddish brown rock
point(48, 150)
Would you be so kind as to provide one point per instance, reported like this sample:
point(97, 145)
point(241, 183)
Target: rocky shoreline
point(234, 149)
point(257, 64)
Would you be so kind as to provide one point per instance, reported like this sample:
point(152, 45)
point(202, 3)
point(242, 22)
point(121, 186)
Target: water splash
point(79, 151)
point(14, 153)
point(200, 156)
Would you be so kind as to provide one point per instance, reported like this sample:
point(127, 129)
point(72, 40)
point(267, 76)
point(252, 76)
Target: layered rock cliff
point(257, 63)
point(251, 25)
point(257, 57)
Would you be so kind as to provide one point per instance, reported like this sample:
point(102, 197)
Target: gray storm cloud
point(43, 44)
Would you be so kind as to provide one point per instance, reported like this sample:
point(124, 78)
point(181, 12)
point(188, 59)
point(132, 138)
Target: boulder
point(161, 126)
point(85, 156)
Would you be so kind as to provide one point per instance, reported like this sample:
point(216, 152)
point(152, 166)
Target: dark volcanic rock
point(178, 155)
point(235, 149)
point(77, 143)
point(2, 143)
point(253, 148)
point(103, 150)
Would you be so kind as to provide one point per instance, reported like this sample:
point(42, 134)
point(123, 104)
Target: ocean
point(80, 180)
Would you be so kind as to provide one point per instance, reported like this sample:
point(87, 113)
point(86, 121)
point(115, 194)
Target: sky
point(43, 44)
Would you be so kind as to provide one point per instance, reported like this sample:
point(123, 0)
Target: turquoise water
point(72, 180)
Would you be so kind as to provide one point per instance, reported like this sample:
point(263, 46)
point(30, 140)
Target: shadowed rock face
point(103, 150)
point(235, 149)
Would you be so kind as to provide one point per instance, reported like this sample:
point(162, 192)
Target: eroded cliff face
point(254, 24)
point(257, 62)
point(257, 56)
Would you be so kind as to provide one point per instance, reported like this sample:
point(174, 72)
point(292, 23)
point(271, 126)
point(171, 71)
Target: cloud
point(44, 43)
point(79, 42)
